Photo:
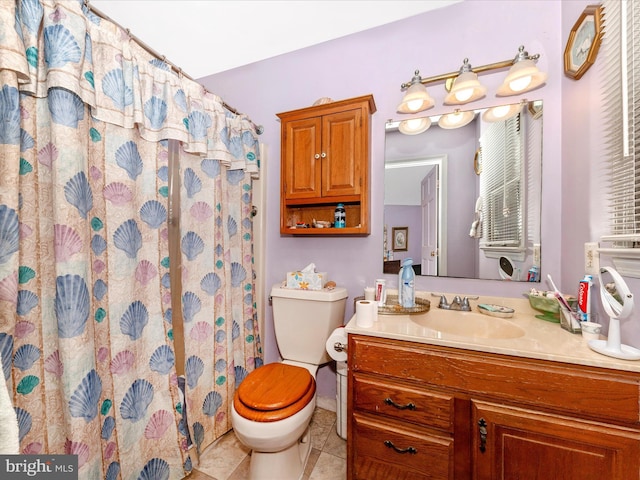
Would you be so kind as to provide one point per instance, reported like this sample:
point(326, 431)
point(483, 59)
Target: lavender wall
point(377, 61)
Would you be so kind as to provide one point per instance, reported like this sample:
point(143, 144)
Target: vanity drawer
point(405, 402)
point(586, 392)
point(386, 450)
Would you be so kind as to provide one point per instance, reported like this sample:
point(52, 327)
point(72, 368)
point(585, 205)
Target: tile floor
point(228, 459)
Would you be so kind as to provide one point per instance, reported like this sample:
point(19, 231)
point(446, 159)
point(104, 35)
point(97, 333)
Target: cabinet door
point(521, 444)
point(342, 145)
point(302, 162)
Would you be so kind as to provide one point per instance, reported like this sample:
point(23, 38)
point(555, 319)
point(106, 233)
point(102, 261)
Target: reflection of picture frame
point(583, 42)
point(400, 239)
point(477, 162)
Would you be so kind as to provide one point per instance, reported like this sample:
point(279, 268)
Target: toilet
point(273, 405)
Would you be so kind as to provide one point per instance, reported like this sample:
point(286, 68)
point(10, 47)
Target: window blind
point(501, 184)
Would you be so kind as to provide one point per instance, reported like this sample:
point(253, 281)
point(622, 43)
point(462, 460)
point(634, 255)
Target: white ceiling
point(203, 37)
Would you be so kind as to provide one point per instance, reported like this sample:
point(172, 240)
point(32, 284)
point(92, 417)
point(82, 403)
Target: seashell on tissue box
point(306, 280)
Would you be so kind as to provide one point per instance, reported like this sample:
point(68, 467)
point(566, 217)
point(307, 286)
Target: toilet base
point(288, 464)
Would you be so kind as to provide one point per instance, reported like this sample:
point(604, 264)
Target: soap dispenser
point(406, 284)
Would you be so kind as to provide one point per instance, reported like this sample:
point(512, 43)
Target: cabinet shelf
point(325, 161)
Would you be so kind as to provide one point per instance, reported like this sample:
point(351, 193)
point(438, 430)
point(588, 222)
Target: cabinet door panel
point(378, 452)
point(527, 445)
point(342, 143)
point(301, 170)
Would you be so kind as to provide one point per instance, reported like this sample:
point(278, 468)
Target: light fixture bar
point(483, 68)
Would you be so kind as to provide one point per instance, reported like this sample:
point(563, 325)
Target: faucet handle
point(465, 304)
point(443, 302)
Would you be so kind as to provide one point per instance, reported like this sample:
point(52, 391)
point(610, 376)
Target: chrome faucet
point(458, 303)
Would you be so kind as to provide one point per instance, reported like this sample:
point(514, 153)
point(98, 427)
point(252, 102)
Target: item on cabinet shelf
point(381, 291)
point(366, 313)
point(617, 308)
point(392, 307)
point(406, 284)
point(340, 217)
point(307, 278)
point(337, 345)
point(495, 310)
point(321, 224)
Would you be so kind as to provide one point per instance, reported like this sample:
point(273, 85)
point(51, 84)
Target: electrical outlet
point(591, 258)
point(536, 254)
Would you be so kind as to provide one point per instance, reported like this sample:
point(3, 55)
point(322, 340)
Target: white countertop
point(541, 339)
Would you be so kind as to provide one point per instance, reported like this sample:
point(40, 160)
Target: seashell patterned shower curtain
point(86, 336)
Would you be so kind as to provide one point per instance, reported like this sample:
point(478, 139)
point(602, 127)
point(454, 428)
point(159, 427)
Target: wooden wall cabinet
point(325, 161)
point(420, 411)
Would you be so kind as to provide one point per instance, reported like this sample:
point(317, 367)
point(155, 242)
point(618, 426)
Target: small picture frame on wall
point(583, 42)
point(400, 237)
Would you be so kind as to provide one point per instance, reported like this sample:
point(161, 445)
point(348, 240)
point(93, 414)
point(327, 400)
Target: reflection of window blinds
point(500, 184)
point(621, 47)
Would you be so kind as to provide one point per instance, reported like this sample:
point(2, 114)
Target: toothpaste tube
point(584, 298)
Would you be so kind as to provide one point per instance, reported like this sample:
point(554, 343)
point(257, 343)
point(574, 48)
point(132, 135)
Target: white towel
point(9, 439)
point(476, 226)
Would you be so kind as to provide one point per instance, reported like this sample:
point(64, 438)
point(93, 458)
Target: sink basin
point(468, 324)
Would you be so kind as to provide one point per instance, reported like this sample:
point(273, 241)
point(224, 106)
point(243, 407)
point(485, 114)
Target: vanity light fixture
point(417, 99)
point(501, 112)
point(414, 126)
point(456, 119)
point(463, 86)
point(466, 87)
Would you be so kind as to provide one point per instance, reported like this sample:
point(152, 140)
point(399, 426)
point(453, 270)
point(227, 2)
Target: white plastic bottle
point(406, 284)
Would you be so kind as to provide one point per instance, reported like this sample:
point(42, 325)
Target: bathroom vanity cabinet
point(420, 411)
point(325, 161)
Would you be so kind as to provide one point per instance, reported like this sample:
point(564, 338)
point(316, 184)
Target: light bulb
point(414, 105)
point(520, 84)
point(500, 111)
point(455, 117)
point(464, 94)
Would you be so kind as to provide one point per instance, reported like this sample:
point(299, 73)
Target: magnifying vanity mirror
point(466, 197)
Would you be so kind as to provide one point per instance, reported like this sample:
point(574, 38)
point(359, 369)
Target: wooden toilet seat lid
point(273, 392)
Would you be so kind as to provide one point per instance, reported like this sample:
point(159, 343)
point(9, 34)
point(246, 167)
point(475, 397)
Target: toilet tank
point(304, 319)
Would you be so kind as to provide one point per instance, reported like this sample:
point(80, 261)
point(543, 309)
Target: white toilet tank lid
point(324, 295)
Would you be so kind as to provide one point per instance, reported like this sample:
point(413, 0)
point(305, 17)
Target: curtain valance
point(62, 45)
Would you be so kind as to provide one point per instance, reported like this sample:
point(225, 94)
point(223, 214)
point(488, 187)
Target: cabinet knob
point(316, 156)
point(323, 155)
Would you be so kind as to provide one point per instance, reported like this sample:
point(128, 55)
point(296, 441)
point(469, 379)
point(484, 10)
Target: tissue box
point(306, 280)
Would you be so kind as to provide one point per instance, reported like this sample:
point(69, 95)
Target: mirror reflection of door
point(429, 204)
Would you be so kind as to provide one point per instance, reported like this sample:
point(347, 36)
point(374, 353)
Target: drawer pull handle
point(411, 450)
point(482, 428)
point(408, 406)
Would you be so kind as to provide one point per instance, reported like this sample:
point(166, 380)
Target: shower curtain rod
point(258, 128)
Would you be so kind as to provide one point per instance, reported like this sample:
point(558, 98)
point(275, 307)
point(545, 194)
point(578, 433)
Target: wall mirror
point(468, 187)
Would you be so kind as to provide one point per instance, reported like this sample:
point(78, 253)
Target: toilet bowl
point(277, 431)
point(273, 405)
